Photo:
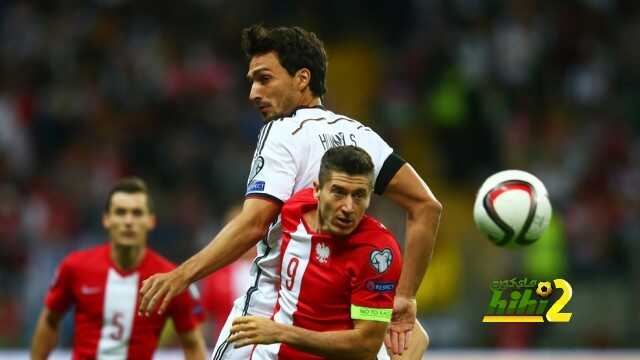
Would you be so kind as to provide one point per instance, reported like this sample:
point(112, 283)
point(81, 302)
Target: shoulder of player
point(308, 118)
point(277, 135)
point(281, 128)
point(85, 256)
point(292, 207)
point(371, 232)
point(308, 121)
point(157, 261)
point(294, 130)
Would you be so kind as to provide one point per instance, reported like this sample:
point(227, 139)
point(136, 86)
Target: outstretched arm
point(409, 191)
point(240, 234)
point(361, 342)
point(46, 334)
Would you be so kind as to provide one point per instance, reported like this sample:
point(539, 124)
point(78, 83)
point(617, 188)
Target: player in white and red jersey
point(287, 73)
point(102, 284)
point(338, 273)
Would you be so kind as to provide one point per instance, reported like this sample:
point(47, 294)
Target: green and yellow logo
point(524, 300)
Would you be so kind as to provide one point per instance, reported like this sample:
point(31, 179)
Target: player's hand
point(160, 287)
point(248, 330)
point(401, 327)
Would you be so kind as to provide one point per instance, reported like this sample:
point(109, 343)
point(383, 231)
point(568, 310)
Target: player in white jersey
point(287, 72)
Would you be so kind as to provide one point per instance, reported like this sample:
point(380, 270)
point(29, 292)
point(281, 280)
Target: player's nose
point(128, 219)
point(254, 93)
point(347, 205)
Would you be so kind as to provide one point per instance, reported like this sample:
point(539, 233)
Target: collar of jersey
point(306, 208)
point(114, 266)
point(293, 113)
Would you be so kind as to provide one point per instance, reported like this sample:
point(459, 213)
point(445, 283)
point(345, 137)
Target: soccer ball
point(512, 208)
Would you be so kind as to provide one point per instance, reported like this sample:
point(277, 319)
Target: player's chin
point(271, 115)
point(342, 230)
point(128, 241)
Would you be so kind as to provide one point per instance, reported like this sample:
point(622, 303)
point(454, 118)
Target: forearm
point(233, 241)
point(193, 344)
point(194, 354)
point(195, 351)
point(44, 339)
point(420, 237)
point(343, 344)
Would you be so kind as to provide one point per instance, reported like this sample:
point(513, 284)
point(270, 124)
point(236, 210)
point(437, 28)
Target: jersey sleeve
point(374, 285)
point(186, 310)
point(389, 169)
point(274, 169)
point(60, 294)
point(385, 161)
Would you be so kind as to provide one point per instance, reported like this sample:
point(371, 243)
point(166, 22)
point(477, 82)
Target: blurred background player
point(102, 284)
point(287, 69)
point(339, 270)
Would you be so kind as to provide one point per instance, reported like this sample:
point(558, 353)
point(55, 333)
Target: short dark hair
point(130, 185)
point(296, 49)
point(350, 160)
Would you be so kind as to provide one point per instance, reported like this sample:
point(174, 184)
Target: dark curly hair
point(296, 49)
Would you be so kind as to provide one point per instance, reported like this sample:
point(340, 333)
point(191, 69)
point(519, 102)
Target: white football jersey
point(286, 160)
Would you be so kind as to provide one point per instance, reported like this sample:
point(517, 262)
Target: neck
point(127, 257)
point(313, 220)
point(309, 100)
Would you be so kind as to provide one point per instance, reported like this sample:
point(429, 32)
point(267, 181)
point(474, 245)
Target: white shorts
point(225, 351)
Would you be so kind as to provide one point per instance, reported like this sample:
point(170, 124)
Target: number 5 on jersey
point(116, 321)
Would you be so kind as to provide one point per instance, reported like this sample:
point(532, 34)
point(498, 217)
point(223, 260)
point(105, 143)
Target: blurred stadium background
point(94, 90)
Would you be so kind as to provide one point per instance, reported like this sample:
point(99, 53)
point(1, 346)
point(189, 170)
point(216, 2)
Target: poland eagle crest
point(322, 253)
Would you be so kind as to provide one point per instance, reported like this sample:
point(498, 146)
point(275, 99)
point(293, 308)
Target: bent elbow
point(434, 206)
point(427, 207)
point(258, 231)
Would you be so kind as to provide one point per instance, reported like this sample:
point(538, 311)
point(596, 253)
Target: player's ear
point(152, 221)
point(105, 220)
point(303, 78)
point(316, 189)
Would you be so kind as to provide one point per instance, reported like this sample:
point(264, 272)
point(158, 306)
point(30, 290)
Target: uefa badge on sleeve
point(381, 260)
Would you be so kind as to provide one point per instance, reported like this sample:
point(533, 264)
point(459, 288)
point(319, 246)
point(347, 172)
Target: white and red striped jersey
point(107, 324)
point(327, 282)
point(287, 160)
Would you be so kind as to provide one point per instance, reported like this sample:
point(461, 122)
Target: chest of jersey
point(107, 298)
point(89, 290)
point(106, 311)
point(316, 279)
